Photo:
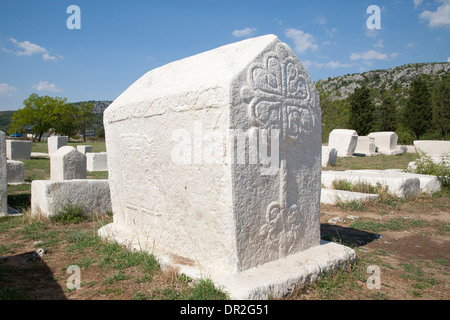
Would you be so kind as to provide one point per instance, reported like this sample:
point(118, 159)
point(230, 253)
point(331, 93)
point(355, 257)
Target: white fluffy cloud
point(26, 48)
point(327, 65)
point(439, 18)
point(247, 32)
point(372, 55)
point(46, 86)
point(6, 90)
point(303, 41)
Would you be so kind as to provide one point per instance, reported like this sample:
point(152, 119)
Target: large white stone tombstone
point(16, 172)
point(56, 142)
point(18, 149)
point(3, 176)
point(184, 186)
point(386, 143)
point(67, 163)
point(97, 161)
point(344, 141)
point(329, 156)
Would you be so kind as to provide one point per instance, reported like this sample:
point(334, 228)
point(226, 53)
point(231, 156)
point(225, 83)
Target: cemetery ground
point(407, 239)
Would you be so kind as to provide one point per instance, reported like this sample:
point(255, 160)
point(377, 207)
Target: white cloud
point(46, 86)
point(379, 44)
point(440, 17)
point(372, 55)
point(26, 48)
point(328, 65)
point(247, 32)
point(321, 20)
point(303, 41)
point(417, 3)
point(6, 90)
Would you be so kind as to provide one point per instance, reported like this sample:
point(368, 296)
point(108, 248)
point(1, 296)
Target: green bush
point(70, 213)
point(424, 165)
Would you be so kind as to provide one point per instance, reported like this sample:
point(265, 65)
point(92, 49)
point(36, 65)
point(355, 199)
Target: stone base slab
point(276, 279)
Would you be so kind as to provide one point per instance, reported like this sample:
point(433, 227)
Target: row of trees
point(424, 110)
point(42, 114)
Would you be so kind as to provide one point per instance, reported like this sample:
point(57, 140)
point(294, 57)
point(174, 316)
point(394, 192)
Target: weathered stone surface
point(18, 149)
point(438, 151)
point(428, 184)
point(3, 176)
point(331, 196)
point(49, 197)
point(366, 147)
point(97, 161)
point(208, 211)
point(386, 143)
point(344, 141)
point(84, 149)
point(329, 156)
point(55, 142)
point(405, 187)
point(67, 163)
point(16, 171)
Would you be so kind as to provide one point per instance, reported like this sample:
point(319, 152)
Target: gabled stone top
point(211, 69)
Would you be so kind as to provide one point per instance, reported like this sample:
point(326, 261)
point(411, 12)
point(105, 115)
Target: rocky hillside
point(394, 79)
point(100, 106)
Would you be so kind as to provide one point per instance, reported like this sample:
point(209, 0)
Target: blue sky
point(119, 41)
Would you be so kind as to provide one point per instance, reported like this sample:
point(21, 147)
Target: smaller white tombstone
point(18, 149)
point(438, 151)
point(67, 164)
point(16, 172)
point(329, 157)
point(386, 143)
point(3, 176)
point(56, 142)
point(366, 147)
point(49, 197)
point(97, 161)
point(84, 149)
point(344, 141)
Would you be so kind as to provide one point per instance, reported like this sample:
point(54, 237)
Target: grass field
point(408, 240)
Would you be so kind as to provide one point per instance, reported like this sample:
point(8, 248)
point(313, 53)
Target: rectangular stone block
point(49, 197)
point(3, 176)
point(331, 196)
point(405, 187)
point(365, 147)
point(344, 141)
point(386, 143)
point(438, 151)
point(428, 184)
point(97, 161)
point(84, 149)
point(56, 142)
point(16, 172)
point(329, 157)
point(67, 163)
point(18, 149)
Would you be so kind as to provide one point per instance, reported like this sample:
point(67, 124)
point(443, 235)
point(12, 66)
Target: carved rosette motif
point(279, 96)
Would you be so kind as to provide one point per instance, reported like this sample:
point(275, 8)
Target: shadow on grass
point(21, 201)
point(346, 236)
point(27, 277)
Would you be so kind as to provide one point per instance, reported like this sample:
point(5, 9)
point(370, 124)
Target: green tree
point(361, 111)
point(65, 118)
point(417, 113)
point(386, 115)
point(37, 115)
point(86, 117)
point(441, 108)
